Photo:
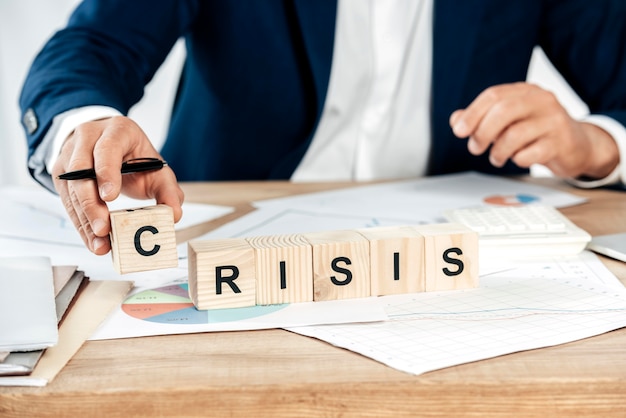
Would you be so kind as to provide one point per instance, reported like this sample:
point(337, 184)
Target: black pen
point(136, 165)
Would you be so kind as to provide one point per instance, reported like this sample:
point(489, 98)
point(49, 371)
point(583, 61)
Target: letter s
point(338, 269)
point(455, 261)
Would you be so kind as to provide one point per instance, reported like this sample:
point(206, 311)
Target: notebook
point(28, 318)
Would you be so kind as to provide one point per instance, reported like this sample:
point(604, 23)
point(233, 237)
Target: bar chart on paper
point(519, 309)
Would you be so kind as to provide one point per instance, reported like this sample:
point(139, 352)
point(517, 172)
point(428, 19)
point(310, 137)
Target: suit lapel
point(455, 28)
point(317, 23)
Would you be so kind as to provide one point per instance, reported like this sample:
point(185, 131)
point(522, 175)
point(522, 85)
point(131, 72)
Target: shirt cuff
point(618, 132)
point(45, 156)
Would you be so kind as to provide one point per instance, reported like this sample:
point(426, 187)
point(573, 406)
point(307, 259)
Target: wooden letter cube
point(221, 274)
point(341, 265)
point(284, 269)
point(143, 239)
point(451, 256)
point(397, 260)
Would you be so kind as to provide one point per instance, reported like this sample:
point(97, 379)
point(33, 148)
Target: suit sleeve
point(107, 53)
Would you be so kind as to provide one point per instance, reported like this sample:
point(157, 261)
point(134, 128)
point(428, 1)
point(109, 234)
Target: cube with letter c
point(143, 239)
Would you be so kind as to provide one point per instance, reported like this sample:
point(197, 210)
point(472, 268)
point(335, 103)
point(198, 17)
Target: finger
point(516, 137)
point(459, 128)
point(66, 200)
point(540, 151)
point(497, 120)
point(120, 141)
point(466, 123)
point(109, 153)
point(454, 118)
point(82, 224)
point(489, 114)
point(96, 235)
point(63, 189)
point(90, 211)
point(167, 191)
point(76, 156)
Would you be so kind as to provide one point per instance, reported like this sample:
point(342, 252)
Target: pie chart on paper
point(171, 305)
point(511, 200)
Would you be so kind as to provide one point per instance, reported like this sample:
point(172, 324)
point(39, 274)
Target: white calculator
point(521, 231)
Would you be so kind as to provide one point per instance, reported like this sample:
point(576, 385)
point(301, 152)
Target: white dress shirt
point(376, 118)
point(375, 123)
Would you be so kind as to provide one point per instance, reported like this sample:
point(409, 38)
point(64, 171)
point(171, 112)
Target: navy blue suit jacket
point(257, 71)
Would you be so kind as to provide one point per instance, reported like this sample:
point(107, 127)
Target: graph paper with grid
point(523, 308)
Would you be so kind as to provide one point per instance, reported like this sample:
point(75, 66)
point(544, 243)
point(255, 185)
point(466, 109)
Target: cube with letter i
point(341, 265)
point(143, 239)
point(222, 273)
point(451, 256)
point(397, 260)
point(284, 269)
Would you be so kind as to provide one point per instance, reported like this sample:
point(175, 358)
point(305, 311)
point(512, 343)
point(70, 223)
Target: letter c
point(138, 246)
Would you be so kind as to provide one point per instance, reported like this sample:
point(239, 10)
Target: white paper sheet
point(37, 215)
point(424, 198)
point(528, 306)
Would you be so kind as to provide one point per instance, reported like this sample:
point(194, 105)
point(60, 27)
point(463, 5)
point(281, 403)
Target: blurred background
point(25, 25)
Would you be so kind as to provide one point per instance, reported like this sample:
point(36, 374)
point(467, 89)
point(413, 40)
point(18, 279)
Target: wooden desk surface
point(276, 373)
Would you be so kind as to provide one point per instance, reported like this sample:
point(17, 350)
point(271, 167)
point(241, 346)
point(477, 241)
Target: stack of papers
point(29, 321)
point(95, 300)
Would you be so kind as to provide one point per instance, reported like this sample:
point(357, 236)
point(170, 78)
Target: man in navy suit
point(315, 89)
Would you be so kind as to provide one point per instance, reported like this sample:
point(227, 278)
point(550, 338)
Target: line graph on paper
point(501, 298)
point(511, 311)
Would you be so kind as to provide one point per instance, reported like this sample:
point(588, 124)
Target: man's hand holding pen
point(136, 165)
point(104, 146)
